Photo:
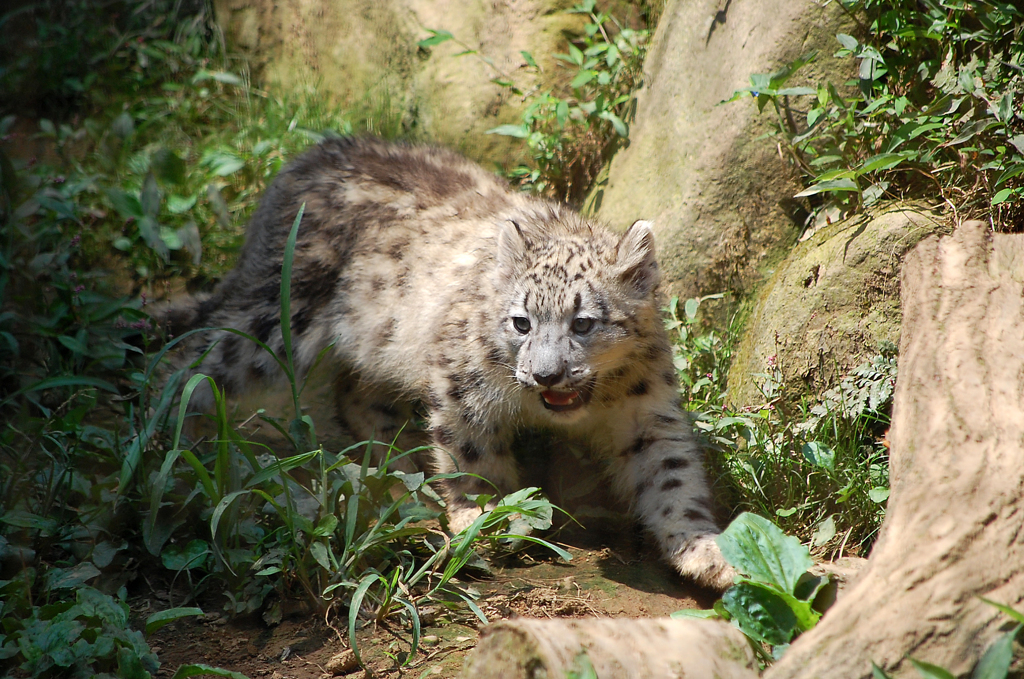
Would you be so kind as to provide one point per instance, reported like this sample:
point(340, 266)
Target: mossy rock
point(716, 187)
point(830, 304)
point(363, 55)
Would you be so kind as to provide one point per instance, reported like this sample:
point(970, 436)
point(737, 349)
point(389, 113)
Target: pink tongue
point(559, 398)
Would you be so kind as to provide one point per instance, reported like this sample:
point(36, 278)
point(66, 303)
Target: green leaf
point(819, 455)
point(760, 613)
point(199, 670)
point(1002, 196)
point(831, 185)
point(319, 552)
point(878, 494)
point(177, 558)
point(529, 59)
point(929, 671)
point(222, 163)
point(758, 549)
point(582, 78)
point(126, 204)
point(883, 161)
point(520, 131)
point(123, 125)
point(995, 664)
point(436, 38)
point(694, 614)
point(877, 672)
point(825, 531)
point(847, 41)
point(167, 166)
point(1016, 615)
point(158, 620)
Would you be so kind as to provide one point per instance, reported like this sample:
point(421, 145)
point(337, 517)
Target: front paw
point(461, 518)
point(701, 560)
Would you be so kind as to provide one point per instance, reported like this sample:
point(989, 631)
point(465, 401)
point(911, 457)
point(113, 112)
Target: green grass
point(158, 152)
point(819, 470)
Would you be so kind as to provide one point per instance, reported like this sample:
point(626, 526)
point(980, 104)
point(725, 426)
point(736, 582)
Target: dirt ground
point(619, 580)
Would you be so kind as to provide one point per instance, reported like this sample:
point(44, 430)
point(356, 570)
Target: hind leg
point(373, 413)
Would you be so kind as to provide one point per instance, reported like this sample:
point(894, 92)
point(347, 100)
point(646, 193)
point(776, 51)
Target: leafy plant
point(820, 469)
point(774, 599)
point(572, 129)
point(934, 109)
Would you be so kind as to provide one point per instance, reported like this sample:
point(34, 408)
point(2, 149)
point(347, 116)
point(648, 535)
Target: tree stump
point(526, 648)
point(952, 531)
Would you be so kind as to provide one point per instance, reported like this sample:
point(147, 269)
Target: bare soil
point(620, 579)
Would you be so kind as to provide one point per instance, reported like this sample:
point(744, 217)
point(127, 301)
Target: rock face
point(363, 54)
point(830, 304)
point(699, 169)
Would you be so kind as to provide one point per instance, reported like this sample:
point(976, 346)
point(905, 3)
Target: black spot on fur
point(669, 378)
point(666, 419)
point(666, 512)
point(229, 351)
point(396, 250)
point(671, 484)
point(638, 446)
point(675, 463)
point(470, 453)
point(696, 515)
point(443, 435)
point(643, 487)
point(638, 389)
point(263, 326)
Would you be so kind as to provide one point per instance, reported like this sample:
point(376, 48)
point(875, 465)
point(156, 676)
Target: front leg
point(660, 469)
point(481, 450)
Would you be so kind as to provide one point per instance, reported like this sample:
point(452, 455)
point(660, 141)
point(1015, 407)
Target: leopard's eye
point(521, 324)
point(581, 326)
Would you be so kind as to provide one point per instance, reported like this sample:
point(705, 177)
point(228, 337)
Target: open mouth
point(564, 401)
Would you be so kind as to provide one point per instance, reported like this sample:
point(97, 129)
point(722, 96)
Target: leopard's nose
point(549, 379)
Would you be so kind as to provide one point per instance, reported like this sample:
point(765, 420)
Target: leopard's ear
point(512, 247)
point(635, 258)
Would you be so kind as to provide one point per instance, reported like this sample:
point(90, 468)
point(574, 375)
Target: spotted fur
point(433, 283)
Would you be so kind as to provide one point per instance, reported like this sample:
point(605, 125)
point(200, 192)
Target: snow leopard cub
point(434, 284)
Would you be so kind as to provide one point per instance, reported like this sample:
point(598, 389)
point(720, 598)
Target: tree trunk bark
point(526, 648)
point(952, 531)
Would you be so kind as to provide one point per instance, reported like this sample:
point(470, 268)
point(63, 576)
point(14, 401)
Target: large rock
point(700, 170)
point(830, 304)
point(363, 55)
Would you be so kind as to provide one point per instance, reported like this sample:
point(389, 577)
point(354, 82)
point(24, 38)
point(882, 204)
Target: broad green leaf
point(319, 552)
point(158, 620)
point(582, 78)
point(995, 664)
point(879, 494)
point(758, 549)
point(1002, 196)
point(819, 455)
point(174, 557)
point(126, 204)
point(847, 41)
point(825, 531)
point(760, 613)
